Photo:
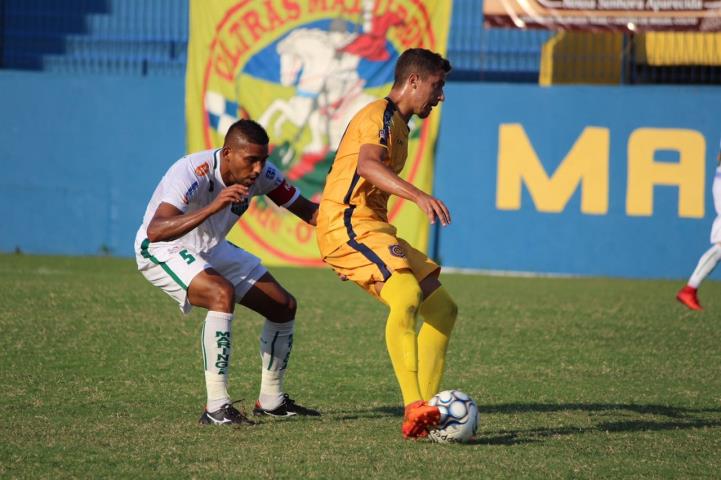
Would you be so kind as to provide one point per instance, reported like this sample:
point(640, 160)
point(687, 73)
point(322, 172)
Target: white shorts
point(172, 268)
point(716, 228)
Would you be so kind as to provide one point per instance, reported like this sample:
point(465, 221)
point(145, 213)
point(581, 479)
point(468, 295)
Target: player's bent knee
point(222, 296)
point(291, 306)
point(212, 291)
point(450, 308)
point(409, 299)
point(282, 310)
point(440, 310)
point(402, 293)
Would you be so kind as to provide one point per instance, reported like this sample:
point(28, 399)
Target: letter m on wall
point(586, 164)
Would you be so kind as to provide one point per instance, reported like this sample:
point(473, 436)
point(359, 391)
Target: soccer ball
point(459, 417)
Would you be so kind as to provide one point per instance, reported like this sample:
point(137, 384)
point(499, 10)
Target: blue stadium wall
point(82, 154)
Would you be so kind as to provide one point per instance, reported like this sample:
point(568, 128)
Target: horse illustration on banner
point(329, 90)
point(322, 66)
point(302, 70)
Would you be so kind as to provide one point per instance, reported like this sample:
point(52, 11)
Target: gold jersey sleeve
point(350, 205)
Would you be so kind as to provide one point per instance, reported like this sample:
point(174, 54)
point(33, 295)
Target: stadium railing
point(137, 37)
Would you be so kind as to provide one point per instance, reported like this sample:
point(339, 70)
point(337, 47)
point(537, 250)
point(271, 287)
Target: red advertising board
point(605, 15)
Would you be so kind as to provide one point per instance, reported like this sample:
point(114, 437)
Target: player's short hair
point(246, 131)
point(421, 61)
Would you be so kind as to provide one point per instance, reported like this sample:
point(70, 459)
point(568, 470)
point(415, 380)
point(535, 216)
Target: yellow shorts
point(375, 256)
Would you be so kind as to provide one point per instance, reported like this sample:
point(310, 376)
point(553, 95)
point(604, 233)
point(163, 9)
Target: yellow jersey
point(350, 205)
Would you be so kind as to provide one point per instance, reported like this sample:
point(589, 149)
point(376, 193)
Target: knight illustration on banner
point(302, 70)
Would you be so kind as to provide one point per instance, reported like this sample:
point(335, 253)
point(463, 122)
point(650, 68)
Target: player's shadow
point(665, 410)
point(645, 419)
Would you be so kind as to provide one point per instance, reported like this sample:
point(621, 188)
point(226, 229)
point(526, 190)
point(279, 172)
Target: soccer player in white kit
point(181, 248)
point(687, 295)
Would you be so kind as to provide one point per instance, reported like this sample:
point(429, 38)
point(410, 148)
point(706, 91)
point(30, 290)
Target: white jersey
point(193, 182)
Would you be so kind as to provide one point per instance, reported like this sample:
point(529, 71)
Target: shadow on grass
point(676, 418)
point(665, 410)
point(376, 412)
point(534, 435)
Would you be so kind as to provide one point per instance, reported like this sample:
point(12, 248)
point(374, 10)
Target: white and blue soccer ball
point(459, 417)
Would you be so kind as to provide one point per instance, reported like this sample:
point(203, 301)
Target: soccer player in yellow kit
point(355, 238)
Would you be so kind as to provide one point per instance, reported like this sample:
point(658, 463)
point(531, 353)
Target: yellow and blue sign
point(578, 180)
point(302, 69)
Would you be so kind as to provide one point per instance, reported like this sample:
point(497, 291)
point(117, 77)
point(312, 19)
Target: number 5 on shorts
point(187, 257)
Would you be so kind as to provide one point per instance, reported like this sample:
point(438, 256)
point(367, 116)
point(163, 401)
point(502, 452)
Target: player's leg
point(708, 261)
point(706, 264)
point(378, 264)
point(268, 298)
point(211, 291)
point(439, 312)
point(256, 289)
point(190, 280)
point(402, 293)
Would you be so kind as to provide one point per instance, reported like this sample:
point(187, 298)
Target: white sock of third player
point(705, 265)
point(276, 342)
point(216, 356)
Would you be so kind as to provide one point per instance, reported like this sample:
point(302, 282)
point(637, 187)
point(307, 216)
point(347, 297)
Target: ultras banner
point(302, 69)
point(620, 15)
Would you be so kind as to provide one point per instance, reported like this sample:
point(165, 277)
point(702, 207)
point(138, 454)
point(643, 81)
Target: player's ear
point(413, 80)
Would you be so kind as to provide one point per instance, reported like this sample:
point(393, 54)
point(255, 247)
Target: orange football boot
point(419, 418)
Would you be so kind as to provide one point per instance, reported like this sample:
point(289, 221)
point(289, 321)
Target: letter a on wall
point(302, 69)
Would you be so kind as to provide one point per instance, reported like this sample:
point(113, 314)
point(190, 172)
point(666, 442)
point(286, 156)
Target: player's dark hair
point(421, 61)
point(247, 131)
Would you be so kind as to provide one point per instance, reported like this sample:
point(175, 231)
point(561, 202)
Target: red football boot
point(687, 296)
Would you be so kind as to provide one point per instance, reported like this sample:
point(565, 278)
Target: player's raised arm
point(169, 223)
point(371, 167)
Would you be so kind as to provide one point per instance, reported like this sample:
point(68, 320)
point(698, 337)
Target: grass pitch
point(575, 378)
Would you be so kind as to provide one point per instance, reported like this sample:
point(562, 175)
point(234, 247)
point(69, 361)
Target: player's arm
point(304, 209)
point(286, 195)
point(372, 168)
point(170, 223)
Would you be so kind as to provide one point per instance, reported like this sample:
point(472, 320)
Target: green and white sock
point(276, 342)
point(216, 342)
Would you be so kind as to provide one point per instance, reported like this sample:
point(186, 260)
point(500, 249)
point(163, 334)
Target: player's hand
point(434, 209)
point(233, 194)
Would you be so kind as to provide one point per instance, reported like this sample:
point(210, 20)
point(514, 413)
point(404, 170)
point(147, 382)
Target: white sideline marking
point(506, 273)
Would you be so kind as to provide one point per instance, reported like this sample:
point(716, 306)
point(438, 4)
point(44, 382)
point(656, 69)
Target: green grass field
point(575, 378)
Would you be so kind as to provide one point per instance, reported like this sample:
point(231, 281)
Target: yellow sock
point(439, 315)
point(403, 295)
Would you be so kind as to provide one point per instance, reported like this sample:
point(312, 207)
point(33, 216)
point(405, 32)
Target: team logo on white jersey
point(189, 194)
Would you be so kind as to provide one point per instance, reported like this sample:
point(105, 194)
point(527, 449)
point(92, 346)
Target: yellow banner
point(302, 69)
